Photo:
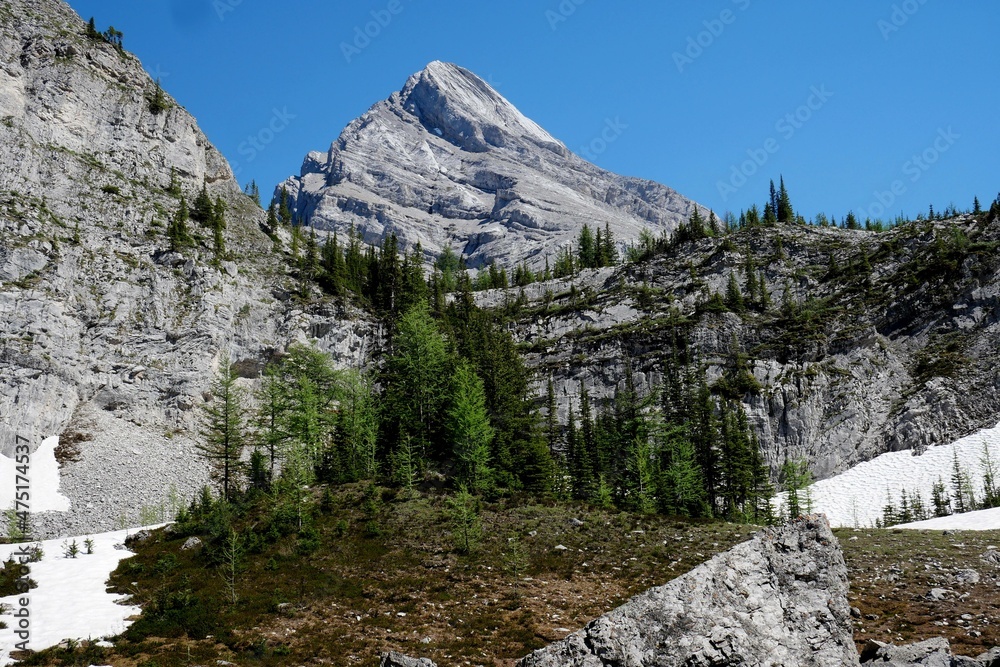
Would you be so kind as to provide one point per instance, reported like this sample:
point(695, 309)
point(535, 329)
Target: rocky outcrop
point(106, 336)
point(448, 160)
point(778, 599)
point(394, 659)
point(935, 652)
point(850, 362)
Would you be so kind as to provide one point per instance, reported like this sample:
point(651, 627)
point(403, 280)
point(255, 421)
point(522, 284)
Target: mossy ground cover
point(370, 576)
point(892, 573)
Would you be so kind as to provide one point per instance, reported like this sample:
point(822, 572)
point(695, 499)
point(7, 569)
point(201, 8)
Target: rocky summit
point(448, 160)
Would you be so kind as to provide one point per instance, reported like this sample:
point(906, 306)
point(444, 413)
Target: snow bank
point(980, 520)
point(44, 480)
point(71, 600)
point(857, 496)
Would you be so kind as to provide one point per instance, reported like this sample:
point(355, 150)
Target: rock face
point(850, 363)
point(106, 335)
point(779, 599)
point(448, 160)
point(935, 652)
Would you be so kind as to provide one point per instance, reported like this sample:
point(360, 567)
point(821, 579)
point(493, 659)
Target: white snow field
point(71, 601)
point(979, 520)
point(855, 498)
point(43, 473)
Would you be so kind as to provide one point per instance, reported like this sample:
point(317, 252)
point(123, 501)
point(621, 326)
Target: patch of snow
point(43, 473)
point(71, 601)
point(437, 131)
point(978, 520)
point(857, 497)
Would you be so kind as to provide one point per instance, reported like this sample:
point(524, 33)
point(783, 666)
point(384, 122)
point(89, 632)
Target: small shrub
point(71, 549)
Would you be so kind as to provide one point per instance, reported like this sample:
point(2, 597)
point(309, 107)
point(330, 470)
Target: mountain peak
point(464, 109)
point(448, 160)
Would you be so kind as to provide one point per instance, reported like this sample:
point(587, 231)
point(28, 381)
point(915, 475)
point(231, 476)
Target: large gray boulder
point(779, 599)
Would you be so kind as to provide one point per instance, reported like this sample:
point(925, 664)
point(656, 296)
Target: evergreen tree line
point(211, 215)
point(452, 397)
point(453, 401)
point(378, 274)
point(958, 496)
point(112, 36)
point(776, 210)
point(685, 449)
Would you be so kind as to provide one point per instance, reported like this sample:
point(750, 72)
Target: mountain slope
point(448, 160)
point(109, 339)
point(869, 342)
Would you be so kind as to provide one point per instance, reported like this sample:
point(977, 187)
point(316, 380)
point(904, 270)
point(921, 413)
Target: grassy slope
point(344, 594)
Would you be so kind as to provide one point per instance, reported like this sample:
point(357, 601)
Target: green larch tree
point(223, 429)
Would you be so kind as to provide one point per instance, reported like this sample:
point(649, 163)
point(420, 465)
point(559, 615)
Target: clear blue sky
point(888, 81)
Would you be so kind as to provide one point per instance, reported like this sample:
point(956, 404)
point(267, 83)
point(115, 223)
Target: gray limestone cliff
point(869, 342)
point(107, 337)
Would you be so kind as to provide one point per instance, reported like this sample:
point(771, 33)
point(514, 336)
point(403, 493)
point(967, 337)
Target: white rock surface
point(448, 160)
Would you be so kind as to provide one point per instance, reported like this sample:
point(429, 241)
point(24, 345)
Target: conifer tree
point(158, 102)
point(696, 225)
point(797, 478)
point(284, 212)
point(467, 526)
point(551, 418)
point(991, 494)
point(296, 244)
point(785, 213)
point(333, 268)
point(177, 230)
point(681, 486)
point(770, 213)
point(223, 429)
point(609, 251)
point(940, 499)
point(174, 188)
point(202, 210)
point(960, 487)
point(587, 248)
point(357, 425)
point(271, 408)
point(734, 296)
point(218, 226)
point(704, 436)
point(417, 374)
point(581, 468)
point(469, 429)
